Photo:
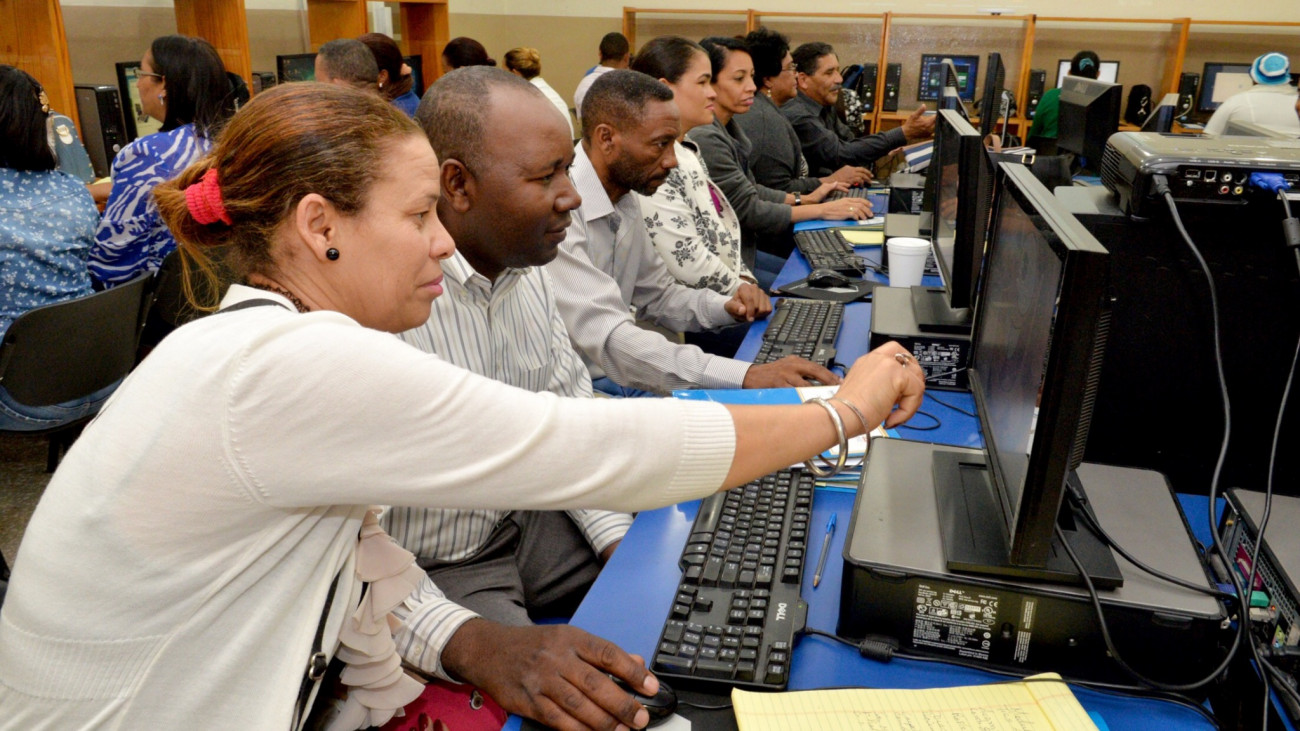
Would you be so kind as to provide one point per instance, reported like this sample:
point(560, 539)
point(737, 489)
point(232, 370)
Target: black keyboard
point(850, 193)
point(737, 609)
point(806, 328)
point(826, 249)
point(931, 265)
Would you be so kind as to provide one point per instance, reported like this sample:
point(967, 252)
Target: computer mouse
point(828, 278)
point(660, 706)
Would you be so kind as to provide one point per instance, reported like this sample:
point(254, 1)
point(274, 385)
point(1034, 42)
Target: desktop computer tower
point(893, 87)
point(1037, 85)
point(103, 128)
point(1158, 404)
point(263, 80)
point(867, 87)
point(1187, 85)
point(942, 355)
point(896, 583)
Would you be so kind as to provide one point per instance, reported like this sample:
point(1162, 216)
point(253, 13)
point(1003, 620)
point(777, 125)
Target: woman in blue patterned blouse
point(182, 82)
point(47, 225)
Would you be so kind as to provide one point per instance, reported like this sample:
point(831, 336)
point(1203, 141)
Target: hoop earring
point(332, 254)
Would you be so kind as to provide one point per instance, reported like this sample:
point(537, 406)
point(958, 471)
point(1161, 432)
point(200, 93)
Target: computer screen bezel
point(995, 79)
point(1102, 99)
point(280, 64)
point(1205, 98)
point(1074, 353)
point(974, 173)
point(1063, 70)
point(129, 92)
point(935, 59)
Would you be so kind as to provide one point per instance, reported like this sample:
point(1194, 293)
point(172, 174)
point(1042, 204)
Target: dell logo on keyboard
point(780, 612)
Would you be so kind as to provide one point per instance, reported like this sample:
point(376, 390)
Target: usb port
point(1192, 174)
point(1211, 175)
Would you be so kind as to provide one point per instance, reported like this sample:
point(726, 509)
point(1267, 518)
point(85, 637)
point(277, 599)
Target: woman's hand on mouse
point(879, 380)
point(556, 674)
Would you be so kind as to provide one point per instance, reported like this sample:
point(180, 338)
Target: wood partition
point(221, 23)
point(693, 24)
point(328, 20)
point(32, 38)
point(425, 27)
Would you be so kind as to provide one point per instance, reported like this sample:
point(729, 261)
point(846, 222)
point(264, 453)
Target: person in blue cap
point(1270, 102)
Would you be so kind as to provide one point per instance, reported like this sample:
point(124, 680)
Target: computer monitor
point(1220, 81)
point(991, 99)
point(1161, 118)
point(416, 63)
point(1036, 348)
point(138, 124)
point(963, 195)
point(931, 84)
point(296, 67)
point(1088, 116)
point(1108, 71)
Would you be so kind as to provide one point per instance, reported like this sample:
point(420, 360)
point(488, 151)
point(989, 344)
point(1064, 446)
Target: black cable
point(945, 374)
point(1110, 644)
point(703, 707)
point(941, 402)
point(1115, 689)
point(937, 422)
point(1082, 510)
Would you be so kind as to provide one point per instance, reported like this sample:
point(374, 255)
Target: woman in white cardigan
point(180, 570)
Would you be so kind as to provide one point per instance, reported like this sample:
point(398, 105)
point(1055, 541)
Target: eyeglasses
point(789, 69)
point(147, 73)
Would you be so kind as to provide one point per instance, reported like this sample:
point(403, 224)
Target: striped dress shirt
point(606, 267)
point(509, 331)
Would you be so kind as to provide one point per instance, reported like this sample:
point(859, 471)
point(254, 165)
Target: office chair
point(170, 308)
point(69, 350)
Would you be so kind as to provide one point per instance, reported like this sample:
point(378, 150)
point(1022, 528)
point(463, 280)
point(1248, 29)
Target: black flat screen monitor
point(1088, 116)
point(1108, 71)
point(1036, 348)
point(1220, 81)
point(416, 63)
point(930, 86)
point(995, 77)
point(961, 207)
point(138, 124)
point(1161, 118)
point(296, 67)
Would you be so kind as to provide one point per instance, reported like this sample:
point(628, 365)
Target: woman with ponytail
point(210, 537)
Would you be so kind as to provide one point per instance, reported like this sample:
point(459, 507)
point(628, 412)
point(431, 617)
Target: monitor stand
point(970, 520)
point(933, 315)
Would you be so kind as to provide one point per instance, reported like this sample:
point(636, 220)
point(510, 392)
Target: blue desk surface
point(631, 598)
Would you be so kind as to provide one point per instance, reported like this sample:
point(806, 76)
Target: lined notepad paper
point(1024, 706)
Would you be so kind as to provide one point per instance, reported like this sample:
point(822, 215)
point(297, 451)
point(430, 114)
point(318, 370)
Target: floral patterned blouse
point(47, 225)
point(694, 228)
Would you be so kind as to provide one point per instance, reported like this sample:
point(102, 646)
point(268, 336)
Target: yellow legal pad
point(864, 238)
point(1022, 706)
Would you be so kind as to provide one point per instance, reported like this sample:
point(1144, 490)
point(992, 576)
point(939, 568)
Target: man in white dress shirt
point(607, 267)
point(506, 201)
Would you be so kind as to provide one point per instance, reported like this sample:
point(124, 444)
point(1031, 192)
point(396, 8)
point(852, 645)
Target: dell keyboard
point(826, 249)
point(737, 609)
point(835, 195)
point(806, 328)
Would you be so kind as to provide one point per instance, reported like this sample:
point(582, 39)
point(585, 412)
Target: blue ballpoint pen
point(826, 548)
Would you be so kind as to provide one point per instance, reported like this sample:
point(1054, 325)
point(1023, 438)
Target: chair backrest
point(68, 350)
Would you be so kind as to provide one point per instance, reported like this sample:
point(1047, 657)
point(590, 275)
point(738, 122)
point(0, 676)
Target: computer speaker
point(893, 84)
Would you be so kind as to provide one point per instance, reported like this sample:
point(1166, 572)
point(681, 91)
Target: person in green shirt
point(1085, 64)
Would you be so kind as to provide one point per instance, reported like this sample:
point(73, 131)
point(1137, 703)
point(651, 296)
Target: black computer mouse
point(828, 278)
point(660, 706)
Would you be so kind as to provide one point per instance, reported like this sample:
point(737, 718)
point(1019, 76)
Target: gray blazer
point(777, 160)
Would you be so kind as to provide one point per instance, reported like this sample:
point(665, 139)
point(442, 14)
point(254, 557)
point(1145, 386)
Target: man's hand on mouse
point(556, 674)
point(749, 303)
point(788, 371)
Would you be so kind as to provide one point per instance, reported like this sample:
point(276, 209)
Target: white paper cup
point(907, 260)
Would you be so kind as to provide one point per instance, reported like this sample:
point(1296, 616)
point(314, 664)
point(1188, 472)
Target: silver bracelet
point(838, 423)
point(866, 432)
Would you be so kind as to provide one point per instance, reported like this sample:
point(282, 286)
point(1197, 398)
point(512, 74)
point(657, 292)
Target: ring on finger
point(902, 358)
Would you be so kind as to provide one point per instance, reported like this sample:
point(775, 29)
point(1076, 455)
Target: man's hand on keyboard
point(850, 175)
point(749, 303)
point(788, 371)
point(555, 674)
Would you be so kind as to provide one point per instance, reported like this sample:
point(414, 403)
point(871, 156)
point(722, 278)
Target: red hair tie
point(204, 200)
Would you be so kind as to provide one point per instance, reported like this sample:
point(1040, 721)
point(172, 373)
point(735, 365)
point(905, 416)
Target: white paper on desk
point(674, 723)
point(857, 445)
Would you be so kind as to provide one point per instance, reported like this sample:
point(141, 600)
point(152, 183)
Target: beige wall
point(101, 32)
